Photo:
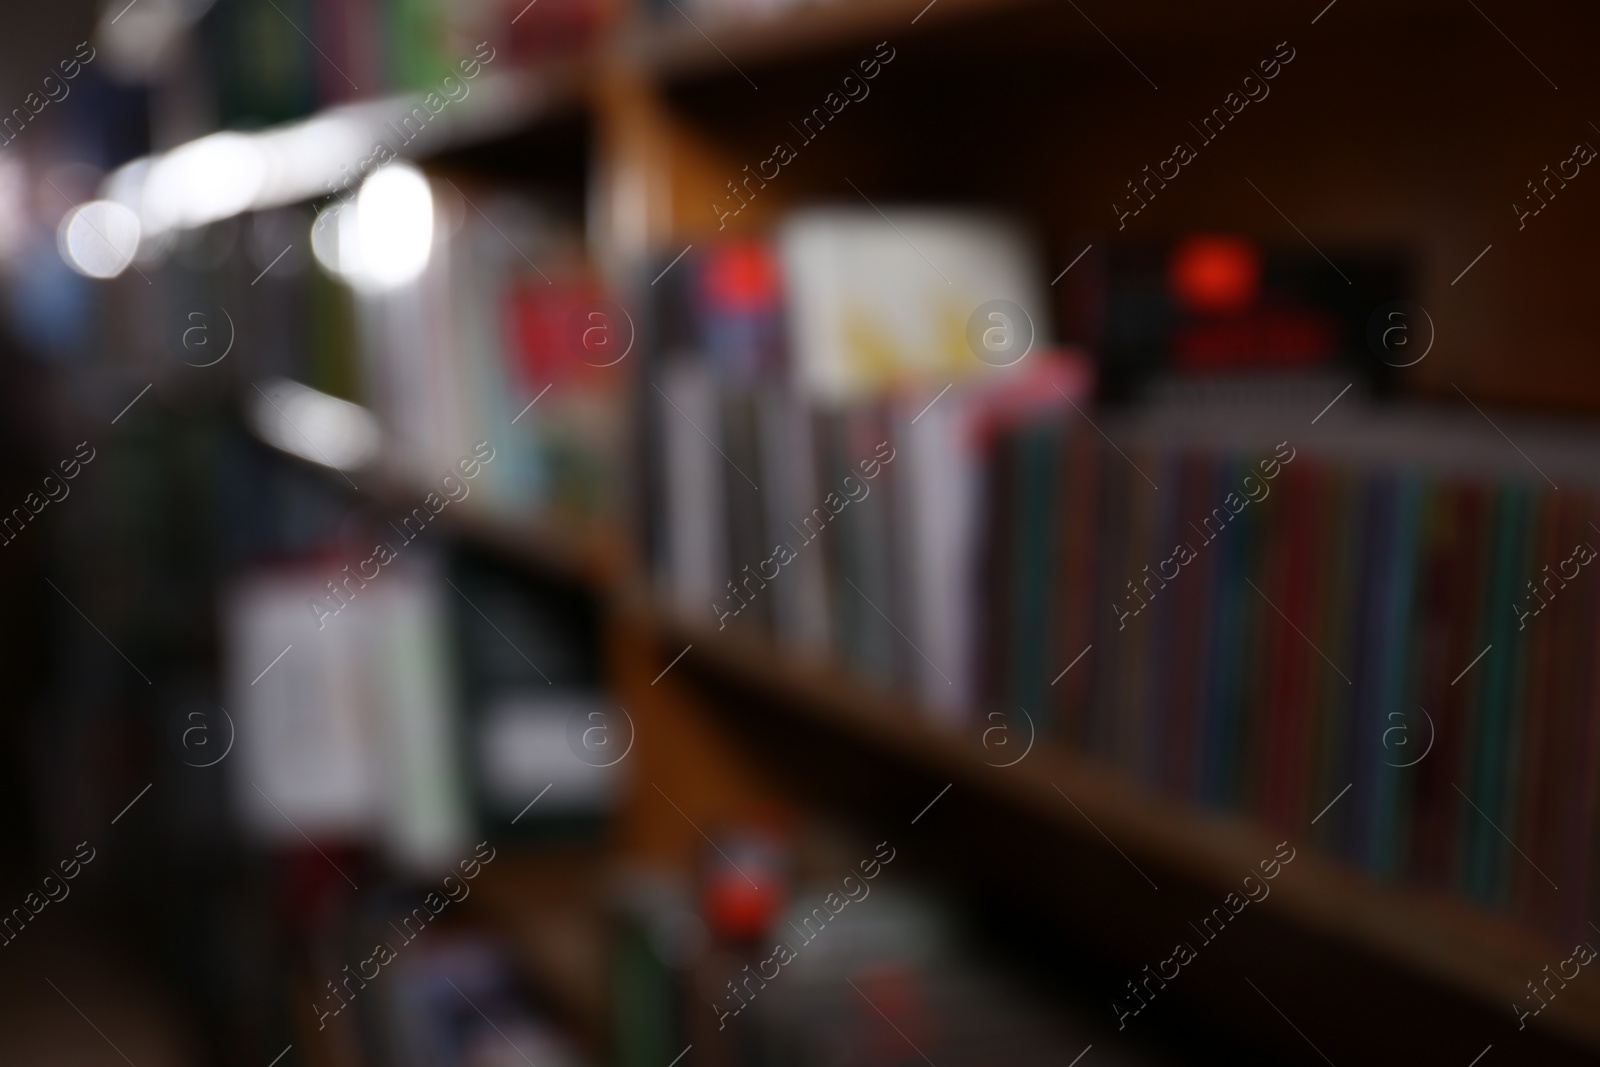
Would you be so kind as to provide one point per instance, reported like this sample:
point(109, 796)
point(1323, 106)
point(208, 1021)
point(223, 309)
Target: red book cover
point(551, 27)
point(559, 332)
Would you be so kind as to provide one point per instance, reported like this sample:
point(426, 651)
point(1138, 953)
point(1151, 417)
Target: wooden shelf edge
point(590, 555)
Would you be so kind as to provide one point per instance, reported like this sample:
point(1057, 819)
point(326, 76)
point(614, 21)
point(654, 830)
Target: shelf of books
point(1149, 548)
point(1401, 726)
point(1225, 623)
point(1326, 625)
point(1424, 921)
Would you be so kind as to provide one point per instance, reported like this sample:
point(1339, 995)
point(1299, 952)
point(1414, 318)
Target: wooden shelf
point(508, 101)
point(651, 156)
point(545, 902)
point(593, 555)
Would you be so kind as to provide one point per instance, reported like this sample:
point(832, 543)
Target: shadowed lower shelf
point(1483, 954)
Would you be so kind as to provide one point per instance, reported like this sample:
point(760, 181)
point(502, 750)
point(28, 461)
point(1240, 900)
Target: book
point(876, 304)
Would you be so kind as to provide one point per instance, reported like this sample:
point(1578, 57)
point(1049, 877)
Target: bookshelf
point(1429, 934)
point(673, 120)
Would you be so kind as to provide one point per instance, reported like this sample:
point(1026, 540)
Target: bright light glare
point(202, 181)
point(394, 227)
point(383, 239)
point(98, 239)
point(333, 240)
point(222, 174)
point(304, 157)
point(315, 426)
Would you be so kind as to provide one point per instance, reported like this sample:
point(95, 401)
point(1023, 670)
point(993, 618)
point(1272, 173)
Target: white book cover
point(562, 748)
point(305, 762)
point(940, 476)
point(395, 369)
point(877, 303)
point(790, 490)
point(696, 540)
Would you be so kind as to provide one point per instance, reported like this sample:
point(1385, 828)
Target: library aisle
point(798, 533)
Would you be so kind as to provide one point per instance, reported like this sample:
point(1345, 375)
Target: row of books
point(1392, 600)
point(502, 313)
point(816, 420)
point(457, 360)
point(1395, 604)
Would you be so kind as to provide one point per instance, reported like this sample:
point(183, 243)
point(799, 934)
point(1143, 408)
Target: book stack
point(1393, 612)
